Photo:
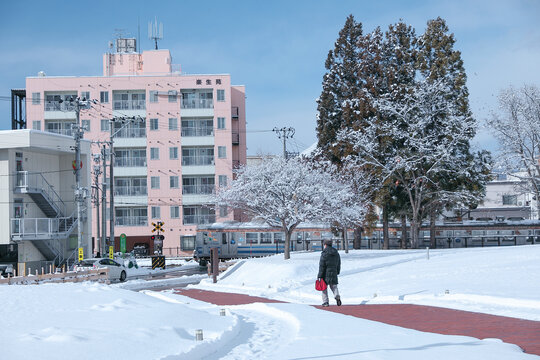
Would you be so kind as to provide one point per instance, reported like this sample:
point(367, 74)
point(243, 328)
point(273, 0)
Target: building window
point(223, 211)
point(266, 238)
point(86, 125)
point(509, 199)
point(154, 124)
point(172, 95)
point(105, 125)
point(104, 97)
point(85, 95)
point(154, 153)
point(173, 182)
point(173, 124)
point(36, 98)
point(173, 153)
point(221, 95)
point(156, 212)
point(222, 152)
point(131, 216)
point(154, 182)
point(153, 96)
point(222, 180)
point(175, 212)
point(36, 125)
point(221, 123)
point(278, 237)
point(218, 81)
point(187, 243)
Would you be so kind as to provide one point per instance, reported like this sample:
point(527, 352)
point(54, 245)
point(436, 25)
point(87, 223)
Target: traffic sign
point(81, 254)
point(111, 252)
point(158, 226)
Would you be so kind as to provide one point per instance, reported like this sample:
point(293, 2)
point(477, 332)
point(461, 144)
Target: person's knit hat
point(327, 242)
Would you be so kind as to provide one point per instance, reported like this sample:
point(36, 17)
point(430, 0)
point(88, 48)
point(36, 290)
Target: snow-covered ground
point(496, 280)
point(92, 321)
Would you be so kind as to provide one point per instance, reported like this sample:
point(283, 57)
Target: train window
point(266, 238)
point(278, 237)
point(252, 238)
point(205, 238)
point(224, 238)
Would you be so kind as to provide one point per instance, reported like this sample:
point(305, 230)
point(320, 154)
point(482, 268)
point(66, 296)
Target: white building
point(38, 212)
point(507, 198)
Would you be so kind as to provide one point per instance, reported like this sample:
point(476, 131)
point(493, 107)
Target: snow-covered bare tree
point(283, 193)
point(517, 128)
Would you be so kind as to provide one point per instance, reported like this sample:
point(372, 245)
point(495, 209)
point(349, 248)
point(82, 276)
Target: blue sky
point(276, 48)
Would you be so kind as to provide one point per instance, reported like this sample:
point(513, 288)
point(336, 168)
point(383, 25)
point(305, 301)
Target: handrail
point(42, 226)
point(39, 183)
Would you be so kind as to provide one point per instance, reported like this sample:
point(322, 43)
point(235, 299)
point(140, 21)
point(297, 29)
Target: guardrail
point(101, 275)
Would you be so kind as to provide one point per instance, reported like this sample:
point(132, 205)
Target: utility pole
point(284, 133)
point(111, 180)
point(104, 200)
point(97, 172)
point(79, 192)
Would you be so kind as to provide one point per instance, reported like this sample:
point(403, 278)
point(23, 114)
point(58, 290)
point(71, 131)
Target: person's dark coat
point(329, 265)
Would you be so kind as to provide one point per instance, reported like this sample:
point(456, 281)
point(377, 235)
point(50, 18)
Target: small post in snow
point(427, 252)
point(199, 335)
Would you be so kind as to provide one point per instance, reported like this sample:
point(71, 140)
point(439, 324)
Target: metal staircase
point(50, 234)
point(41, 192)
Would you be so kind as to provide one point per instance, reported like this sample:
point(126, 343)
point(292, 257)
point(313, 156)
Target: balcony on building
point(196, 215)
point(130, 162)
point(60, 105)
point(235, 138)
point(131, 134)
point(60, 127)
point(129, 103)
point(197, 189)
point(198, 160)
point(136, 216)
point(131, 190)
point(235, 112)
point(197, 131)
point(197, 102)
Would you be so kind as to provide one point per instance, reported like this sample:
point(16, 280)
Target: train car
point(242, 240)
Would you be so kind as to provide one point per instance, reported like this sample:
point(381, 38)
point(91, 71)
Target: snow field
point(500, 281)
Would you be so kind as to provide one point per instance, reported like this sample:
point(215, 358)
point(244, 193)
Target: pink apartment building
point(167, 166)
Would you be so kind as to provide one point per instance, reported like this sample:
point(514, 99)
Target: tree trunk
point(386, 240)
point(414, 233)
point(432, 240)
point(357, 244)
point(345, 241)
point(403, 231)
point(287, 250)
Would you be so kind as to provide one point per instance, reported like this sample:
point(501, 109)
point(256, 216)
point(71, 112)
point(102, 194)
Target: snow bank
point(91, 320)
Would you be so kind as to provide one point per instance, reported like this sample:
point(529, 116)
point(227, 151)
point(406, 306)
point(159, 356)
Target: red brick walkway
point(524, 333)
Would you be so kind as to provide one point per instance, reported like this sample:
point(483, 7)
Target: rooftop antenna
point(154, 32)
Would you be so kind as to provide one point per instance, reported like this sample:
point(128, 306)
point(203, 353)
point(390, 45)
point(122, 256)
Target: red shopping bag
point(320, 285)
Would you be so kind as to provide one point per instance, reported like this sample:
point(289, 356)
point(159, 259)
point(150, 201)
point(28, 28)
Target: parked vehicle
point(117, 271)
point(6, 270)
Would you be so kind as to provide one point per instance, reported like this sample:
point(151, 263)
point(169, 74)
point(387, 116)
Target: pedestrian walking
point(329, 268)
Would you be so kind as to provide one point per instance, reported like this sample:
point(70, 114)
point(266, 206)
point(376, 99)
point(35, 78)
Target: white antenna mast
point(155, 32)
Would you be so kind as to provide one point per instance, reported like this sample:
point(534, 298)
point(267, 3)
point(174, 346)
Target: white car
point(117, 271)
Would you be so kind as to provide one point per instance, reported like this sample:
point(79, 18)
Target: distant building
point(177, 137)
point(38, 217)
point(506, 199)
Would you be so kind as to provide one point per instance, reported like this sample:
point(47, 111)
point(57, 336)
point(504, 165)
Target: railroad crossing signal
point(158, 226)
